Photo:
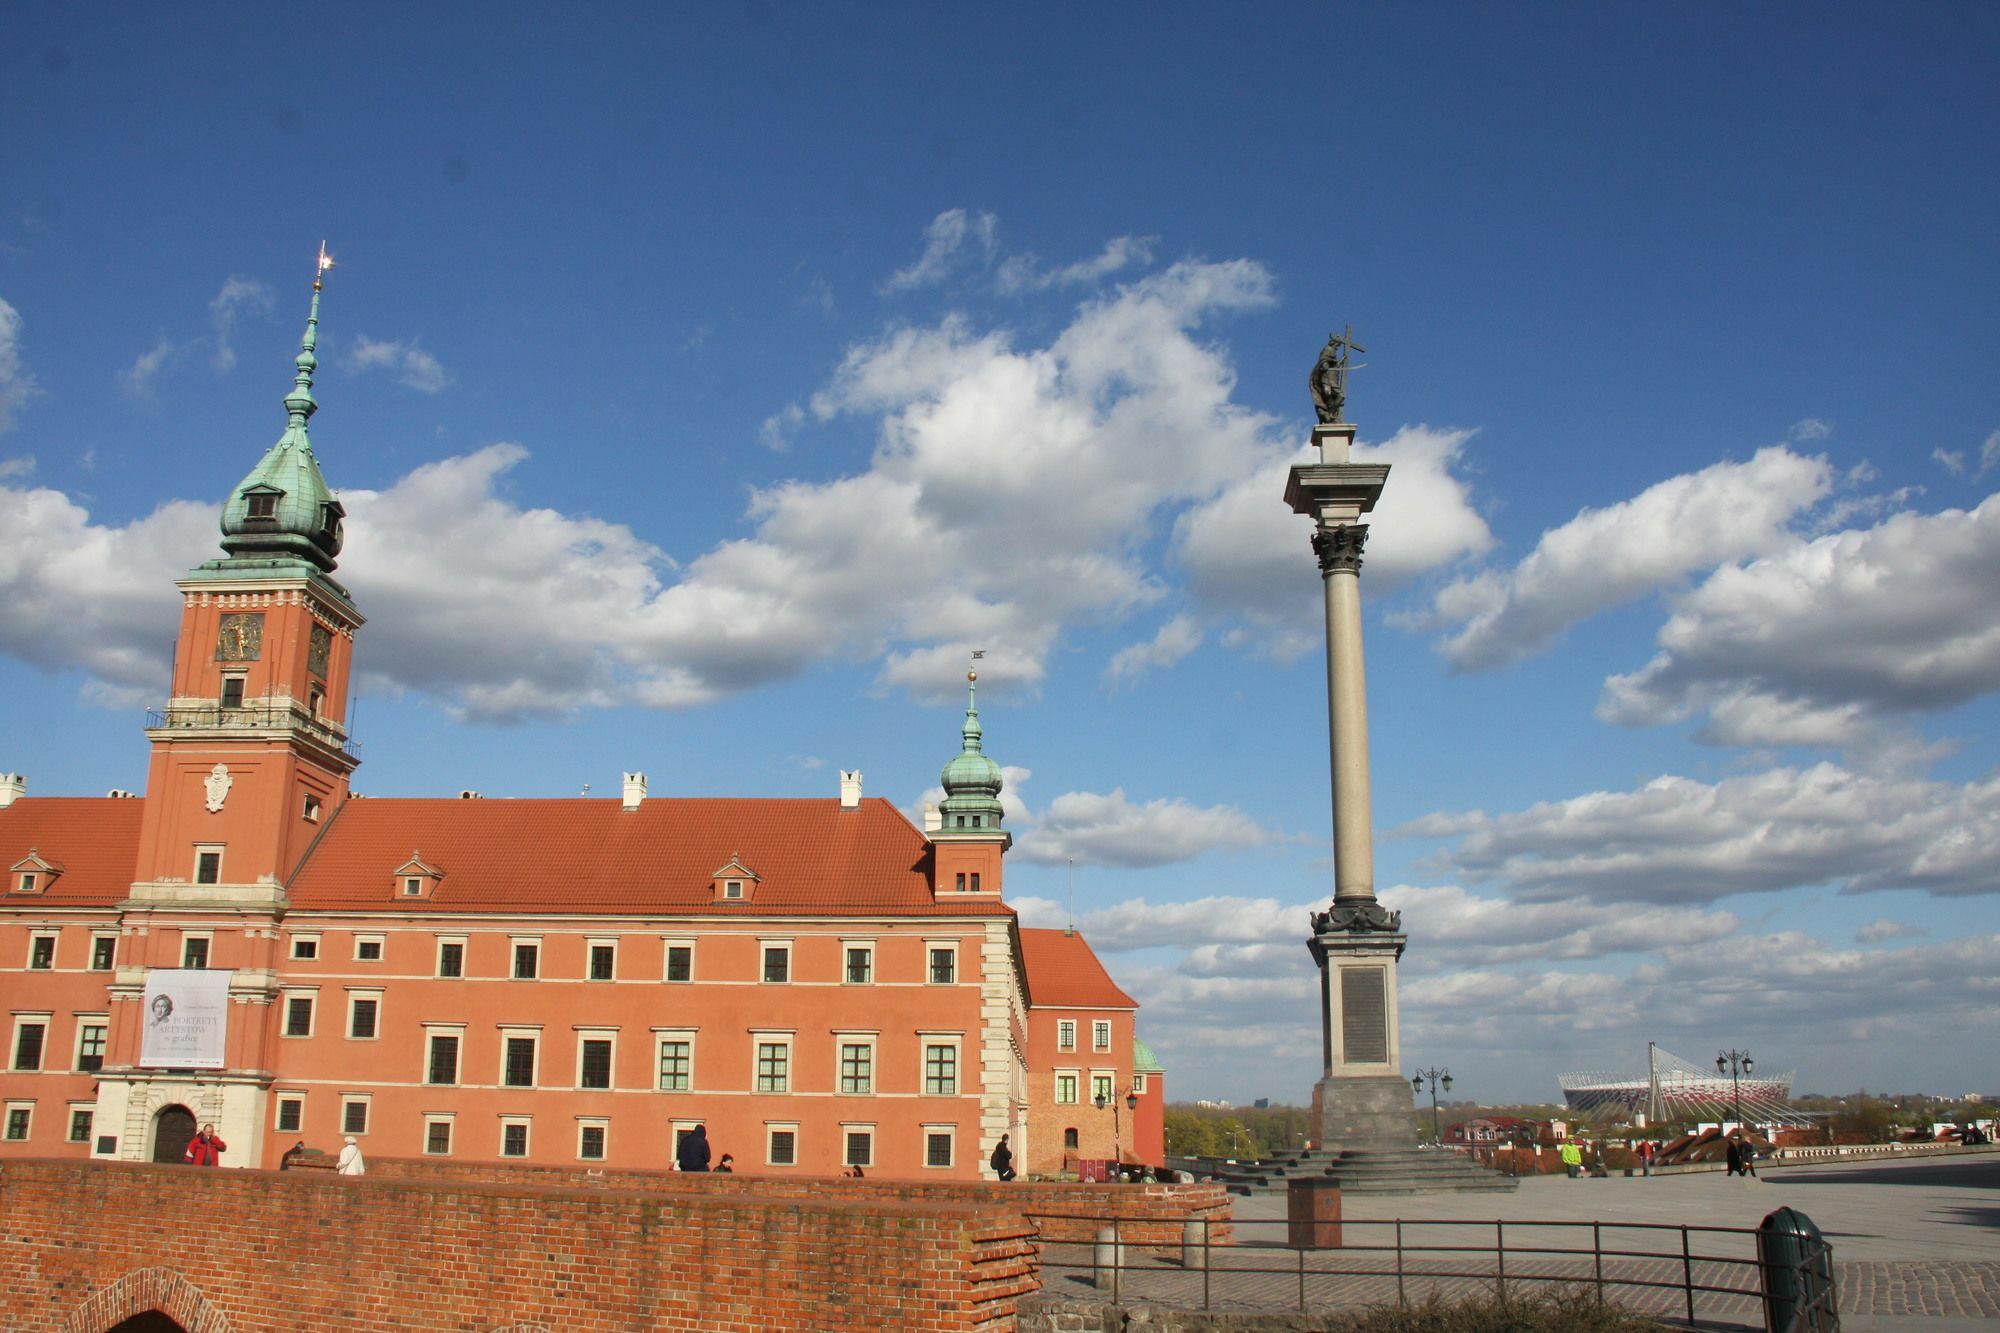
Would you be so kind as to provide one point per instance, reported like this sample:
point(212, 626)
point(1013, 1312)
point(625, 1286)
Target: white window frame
point(366, 1101)
point(311, 807)
point(843, 1040)
point(590, 948)
point(597, 1034)
point(1065, 1034)
point(676, 1131)
point(1100, 1034)
point(449, 1119)
point(1139, 1084)
point(765, 948)
point(951, 1134)
point(508, 1034)
point(929, 1041)
point(96, 936)
point(201, 849)
point(36, 937)
point(514, 943)
point(661, 1037)
point(464, 956)
point(773, 1128)
point(1104, 1083)
point(83, 1022)
point(286, 994)
point(433, 1031)
point(355, 993)
point(850, 1127)
point(1075, 1077)
point(46, 1021)
point(667, 947)
point(381, 948)
point(527, 1124)
point(732, 890)
point(758, 1041)
point(310, 940)
point(7, 1122)
point(849, 946)
point(69, 1122)
point(930, 966)
point(278, 1105)
point(601, 1123)
point(207, 939)
point(413, 886)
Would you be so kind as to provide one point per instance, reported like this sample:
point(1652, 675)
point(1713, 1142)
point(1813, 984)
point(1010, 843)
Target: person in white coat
point(350, 1163)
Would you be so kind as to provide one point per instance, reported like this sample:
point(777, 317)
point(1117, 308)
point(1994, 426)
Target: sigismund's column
point(1361, 1101)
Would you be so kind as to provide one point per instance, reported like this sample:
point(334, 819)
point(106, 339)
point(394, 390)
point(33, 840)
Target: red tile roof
point(1063, 973)
point(812, 858)
point(94, 839)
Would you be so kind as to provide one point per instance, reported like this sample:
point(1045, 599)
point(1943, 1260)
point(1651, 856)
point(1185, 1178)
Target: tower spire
point(299, 403)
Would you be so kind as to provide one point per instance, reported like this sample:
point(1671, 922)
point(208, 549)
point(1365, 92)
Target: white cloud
point(1989, 453)
point(952, 237)
point(21, 465)
point(1812, 428)
point(410, 363)
point(1816, 642)
point(1951, 460)
point(137, 379)
point(1105, 828)
point(1176, 639)
point(238, 294)
point(1887, 928)
point(17, 385)
point(1677, 840)
point(1020, 273)
point(1604, 558)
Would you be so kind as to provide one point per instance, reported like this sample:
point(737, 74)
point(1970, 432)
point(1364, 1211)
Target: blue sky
point(705, 382)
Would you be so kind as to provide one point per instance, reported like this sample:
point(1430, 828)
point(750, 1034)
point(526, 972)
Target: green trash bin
point(1796, 1264)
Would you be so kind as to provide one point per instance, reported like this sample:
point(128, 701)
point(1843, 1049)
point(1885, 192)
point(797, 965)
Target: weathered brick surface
point(1146, 1214)
point(88, 1244)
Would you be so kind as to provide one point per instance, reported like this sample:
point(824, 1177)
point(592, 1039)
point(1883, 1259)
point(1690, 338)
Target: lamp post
point(1117, 1142)
point(1436, 1076)
point(1735, 1064)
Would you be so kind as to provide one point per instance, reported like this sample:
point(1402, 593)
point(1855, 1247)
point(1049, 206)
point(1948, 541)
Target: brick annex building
point(820, 982)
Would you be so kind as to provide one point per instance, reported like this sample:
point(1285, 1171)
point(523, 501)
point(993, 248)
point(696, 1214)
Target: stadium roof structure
point(1675, 1088)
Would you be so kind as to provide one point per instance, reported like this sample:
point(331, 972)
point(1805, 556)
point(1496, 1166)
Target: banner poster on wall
point(186, 1019)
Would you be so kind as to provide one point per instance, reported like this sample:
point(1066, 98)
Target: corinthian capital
point(1339, 549)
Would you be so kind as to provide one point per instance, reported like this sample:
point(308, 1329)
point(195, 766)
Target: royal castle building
point(248, 943)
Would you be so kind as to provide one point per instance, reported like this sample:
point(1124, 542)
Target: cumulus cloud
point(954, 237)
point(21, 465)
point(1886, 928)
point(1020, 273)
point(1989, 453)
point(409, 363)
point(1105, 828)
point(238, 294)
point(17, 385)
point(1814, 643)
point(1677, 840)
point(1174, 640)
point(1604, 558)
point(137, 378)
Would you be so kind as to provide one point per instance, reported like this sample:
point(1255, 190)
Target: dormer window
point(417, 879)
point(261, 504)
point(33, 873)
point(733, 883)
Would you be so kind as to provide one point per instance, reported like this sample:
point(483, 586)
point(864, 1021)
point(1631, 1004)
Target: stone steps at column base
point(1408, 1171)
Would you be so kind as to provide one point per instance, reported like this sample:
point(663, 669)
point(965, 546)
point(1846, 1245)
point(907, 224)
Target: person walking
point(693, 1154)
point(1002, 1160)
point(350, 1163)
point(1572, 1158)
point(205, 1148)
point(1645, 1157)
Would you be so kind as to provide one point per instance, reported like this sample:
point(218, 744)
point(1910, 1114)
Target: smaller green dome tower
point(971, 781)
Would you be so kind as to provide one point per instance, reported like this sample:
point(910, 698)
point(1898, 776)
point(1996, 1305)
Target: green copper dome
point(971, 781)
point(283, 509)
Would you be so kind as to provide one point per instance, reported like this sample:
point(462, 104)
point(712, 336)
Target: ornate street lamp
point(1735, 1064)
point(1436, 1076)
point(1117, 1143)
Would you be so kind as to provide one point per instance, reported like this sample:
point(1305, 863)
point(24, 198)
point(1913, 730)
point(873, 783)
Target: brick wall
point(91, 1243)
point(1147, 1214)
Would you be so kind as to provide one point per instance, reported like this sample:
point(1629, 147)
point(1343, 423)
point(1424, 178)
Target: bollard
point(1106, 1261)
point(1194, 1244)
point(1797, 1267)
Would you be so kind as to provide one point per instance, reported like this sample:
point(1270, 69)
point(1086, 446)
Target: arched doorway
point(173, 1128)
point(152, 1321)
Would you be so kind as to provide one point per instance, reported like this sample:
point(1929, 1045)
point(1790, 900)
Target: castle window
point(263, 505)
point(944, 965)
point(291, 1114)
point(514, 1138)
point(857, 1068)
point(518, 1068)
point(593, 1063)
point(783, 1146)
point(860, 1147)
point(305, 948)
point(1066, 1034)
point(413, 887)
point(732, 888)
point(603, 960)
point(19, 1118)
point(527, 959)
point(363, 1015)
point(298, 1015)
point(860, 964)
point(232, 691)
point(354, 1115)
point(676, 1063)
point(774, 1066)
point(975, 881)
point(368, 948)
point(1100, 1035)
point(437, 1136)
point(451, 958)
point(310, 808)
point(103, 952)
point(777, 963)
point(680, 962)
point(79, 1125)
point(1066, 1082)
point(443, 1070)
point(90, 1039)
point(590, 1140)
point(194, 951)
point(937, 1145)
point(1069, 1139)
point(940, 1070)
point(42, 953)
point(208, 865)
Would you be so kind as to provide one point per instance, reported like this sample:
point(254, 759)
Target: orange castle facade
point(821, 983)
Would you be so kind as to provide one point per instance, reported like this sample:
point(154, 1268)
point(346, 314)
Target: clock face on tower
point(240, 639)
point(319, 650)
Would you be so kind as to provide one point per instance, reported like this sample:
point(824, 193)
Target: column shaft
point(1347, 706)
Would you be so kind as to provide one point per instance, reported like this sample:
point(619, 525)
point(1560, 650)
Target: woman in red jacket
point(205, 1149)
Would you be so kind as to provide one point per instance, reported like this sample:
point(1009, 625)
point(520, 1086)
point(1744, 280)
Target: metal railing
point(1667, 1269)
point(252, 715)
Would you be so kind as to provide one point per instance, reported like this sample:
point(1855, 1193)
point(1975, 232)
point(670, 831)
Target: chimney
point(933, 817)
point(13, 787)
point(635, 790)
point(850, 788)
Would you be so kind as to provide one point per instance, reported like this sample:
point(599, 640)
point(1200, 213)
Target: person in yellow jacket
point(1572, 1158)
